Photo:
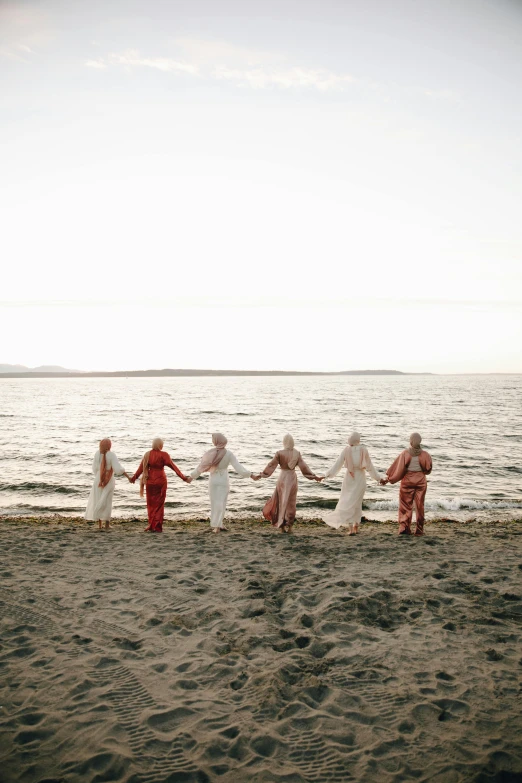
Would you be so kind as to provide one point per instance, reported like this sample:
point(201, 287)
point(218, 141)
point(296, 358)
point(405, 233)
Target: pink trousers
point(412, 493)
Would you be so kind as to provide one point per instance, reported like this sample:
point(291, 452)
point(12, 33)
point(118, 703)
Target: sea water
point(472, 426)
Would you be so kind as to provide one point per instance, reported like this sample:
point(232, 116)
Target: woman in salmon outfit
point(154, 482)
point(411, 468)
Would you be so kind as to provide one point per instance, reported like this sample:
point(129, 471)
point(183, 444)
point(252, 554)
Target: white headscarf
point(354, 440)
point(289, 444)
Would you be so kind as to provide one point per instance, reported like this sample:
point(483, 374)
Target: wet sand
point(258, 657)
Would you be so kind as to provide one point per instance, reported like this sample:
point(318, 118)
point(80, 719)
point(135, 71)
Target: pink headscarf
point(105, 475)
point(213, 457)
point(354, 440)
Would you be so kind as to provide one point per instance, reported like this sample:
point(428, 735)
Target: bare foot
point(215, 530)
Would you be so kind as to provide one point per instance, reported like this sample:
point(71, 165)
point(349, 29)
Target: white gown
point(99, 505)
point(348, 511)
point(219, 486)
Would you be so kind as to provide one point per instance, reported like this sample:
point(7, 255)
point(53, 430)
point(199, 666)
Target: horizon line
point(205, 372)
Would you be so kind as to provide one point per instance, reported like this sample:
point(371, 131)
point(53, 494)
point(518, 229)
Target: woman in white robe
point(105, 466)
point(356, 459)
point(216, 462)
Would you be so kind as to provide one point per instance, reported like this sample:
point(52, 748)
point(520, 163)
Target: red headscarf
point(105, 475)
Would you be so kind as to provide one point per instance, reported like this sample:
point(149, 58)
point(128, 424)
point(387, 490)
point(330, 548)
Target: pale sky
point(262, 184)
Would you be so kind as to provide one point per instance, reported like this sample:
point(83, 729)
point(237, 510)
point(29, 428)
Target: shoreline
point(314, 524)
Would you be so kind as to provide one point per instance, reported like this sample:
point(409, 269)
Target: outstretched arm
point(397, 469)
point(116, 466)
point(371, 469)
point(238, 467)
point(272, 465)
point(176, 470)
point(336, 467)
point(305, 470)
point(138, 473)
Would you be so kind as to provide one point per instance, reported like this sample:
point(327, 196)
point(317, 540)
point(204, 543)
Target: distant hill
point(21, 368)
point(379, 372)
point(19, 371)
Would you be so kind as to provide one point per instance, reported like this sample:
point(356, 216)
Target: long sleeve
point(115, 464)
point(170, 464)
point(336, 467)
point(240, 470)
point(425, 462)
point(398, 469)
point(272, 465)
point(139, 471)
point(370, 467)
point(305, 470)
point(95, 464)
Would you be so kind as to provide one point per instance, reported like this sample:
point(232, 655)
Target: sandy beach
point(251, 656)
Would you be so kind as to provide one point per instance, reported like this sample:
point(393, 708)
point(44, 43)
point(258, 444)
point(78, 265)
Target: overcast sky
point(265, 184)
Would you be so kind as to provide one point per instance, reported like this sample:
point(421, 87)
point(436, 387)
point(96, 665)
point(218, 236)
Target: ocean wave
point(37, 486)
point(448, 504)
point(223, 413)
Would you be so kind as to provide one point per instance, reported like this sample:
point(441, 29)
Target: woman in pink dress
point(280, 509)
point(154, 482)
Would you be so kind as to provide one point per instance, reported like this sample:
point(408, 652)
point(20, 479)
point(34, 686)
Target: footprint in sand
point(170, 720)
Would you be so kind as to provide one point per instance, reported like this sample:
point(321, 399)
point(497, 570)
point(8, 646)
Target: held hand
point(132, 479)
point(189, 479)
point(319, 478)
point(255, 477)
point(383, 482)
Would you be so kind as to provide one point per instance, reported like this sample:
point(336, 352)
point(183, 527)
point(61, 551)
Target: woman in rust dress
point(280, 509)
point(154, 481)
point(411, 468)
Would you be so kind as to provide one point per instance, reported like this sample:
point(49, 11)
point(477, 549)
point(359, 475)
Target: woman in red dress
point(154, 481)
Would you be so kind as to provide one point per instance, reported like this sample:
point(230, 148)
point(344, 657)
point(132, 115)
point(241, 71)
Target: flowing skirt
point(99, 505)
point(280, 509)
point(348, 510)
point(218, 489)
point(156, 496)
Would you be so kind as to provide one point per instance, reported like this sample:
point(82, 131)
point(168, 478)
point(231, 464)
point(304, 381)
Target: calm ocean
point(472, 425)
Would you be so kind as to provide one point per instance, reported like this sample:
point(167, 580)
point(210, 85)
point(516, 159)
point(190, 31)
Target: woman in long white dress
point(216, 461)
point(105, 466)
point(356, 459)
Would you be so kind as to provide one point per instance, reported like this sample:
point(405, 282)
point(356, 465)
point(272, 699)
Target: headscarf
point(415, 444)
point(289, 444)
point(213, 457)
point(105, 475)
point(157, 445)
point(354, 440)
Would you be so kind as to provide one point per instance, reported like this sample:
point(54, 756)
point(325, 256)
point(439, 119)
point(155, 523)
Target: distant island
point(20, 371)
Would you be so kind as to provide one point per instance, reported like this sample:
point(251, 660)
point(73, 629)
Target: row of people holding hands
point(410, 468)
